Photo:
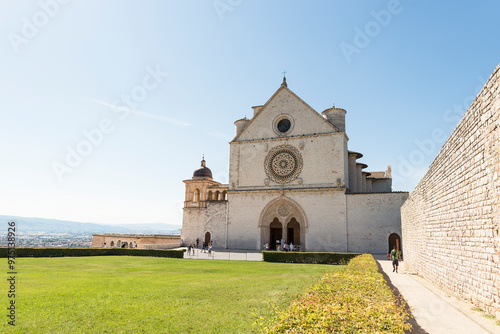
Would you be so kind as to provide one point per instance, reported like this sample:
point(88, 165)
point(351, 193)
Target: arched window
point(118, 243)
point(217, 194)
point(210, 196)
point(196, 197)
point(112, 244)
point(224, 195)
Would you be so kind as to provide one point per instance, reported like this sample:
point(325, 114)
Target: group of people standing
point(205, 247)
point(123, 245)
point(286, 247)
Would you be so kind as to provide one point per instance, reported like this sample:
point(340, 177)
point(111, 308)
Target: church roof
point(284, 86)
point(202, 171)
point(358, 155)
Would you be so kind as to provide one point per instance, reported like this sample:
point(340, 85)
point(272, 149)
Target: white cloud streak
point(142, 113)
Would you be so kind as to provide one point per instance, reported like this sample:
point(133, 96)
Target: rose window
point(283, 164)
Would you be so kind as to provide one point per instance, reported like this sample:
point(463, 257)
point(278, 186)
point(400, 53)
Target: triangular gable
point(306, 119)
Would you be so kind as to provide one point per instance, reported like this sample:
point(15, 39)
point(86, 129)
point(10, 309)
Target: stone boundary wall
point(450, 222)
point(144, 241)
point(371, 219)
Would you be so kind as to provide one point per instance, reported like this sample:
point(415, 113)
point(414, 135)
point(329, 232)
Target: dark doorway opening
point(207, 238)
point(395, 241)
point(293, 232)
point(276, 233)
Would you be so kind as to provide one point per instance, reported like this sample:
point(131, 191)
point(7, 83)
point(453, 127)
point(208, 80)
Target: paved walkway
point(434, 310)
point(224, 255)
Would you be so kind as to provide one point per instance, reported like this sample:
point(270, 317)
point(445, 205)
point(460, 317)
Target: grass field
point(152, 295)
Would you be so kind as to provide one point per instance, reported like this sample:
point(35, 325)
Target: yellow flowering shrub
point(356, 299)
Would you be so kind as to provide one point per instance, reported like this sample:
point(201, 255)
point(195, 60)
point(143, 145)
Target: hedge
point(64, 251)
point(355, 299)
point(315, 258)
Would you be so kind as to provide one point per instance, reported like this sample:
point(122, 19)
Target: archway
point(210, 196)
point(196, 197)
point(283, 210)
point(112, 244)
point(118, 243)
point(208, 238)
point(275, 232)
point(395, 240)
point(293, 232)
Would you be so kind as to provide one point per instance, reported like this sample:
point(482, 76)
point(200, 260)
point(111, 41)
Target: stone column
point(351, 161)
point(369, 185)
point(359, 178)
point(363, 185)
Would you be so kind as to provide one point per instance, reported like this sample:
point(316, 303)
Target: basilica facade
point(292, 179)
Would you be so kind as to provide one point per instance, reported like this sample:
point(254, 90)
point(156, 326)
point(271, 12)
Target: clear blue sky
point(404, 71)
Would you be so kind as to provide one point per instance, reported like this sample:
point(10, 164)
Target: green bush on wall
point(314, 258)
point(62, 251)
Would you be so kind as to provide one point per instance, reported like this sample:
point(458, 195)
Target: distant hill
point(25, 224)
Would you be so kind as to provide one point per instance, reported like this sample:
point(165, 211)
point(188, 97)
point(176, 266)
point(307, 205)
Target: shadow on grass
point(416, 329)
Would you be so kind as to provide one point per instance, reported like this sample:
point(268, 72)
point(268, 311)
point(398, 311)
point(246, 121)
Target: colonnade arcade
point(210, 195)
point(283, 220)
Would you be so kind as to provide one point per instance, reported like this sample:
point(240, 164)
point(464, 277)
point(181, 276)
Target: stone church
point(293, 179)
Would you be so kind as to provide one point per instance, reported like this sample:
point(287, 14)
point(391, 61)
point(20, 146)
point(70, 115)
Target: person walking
point(396, 257)
point(189, 249)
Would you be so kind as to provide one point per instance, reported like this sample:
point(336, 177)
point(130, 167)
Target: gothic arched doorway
point(293, 232)
point(275, 232)
point(395, 241)
point(276, 217)
point(208, 238)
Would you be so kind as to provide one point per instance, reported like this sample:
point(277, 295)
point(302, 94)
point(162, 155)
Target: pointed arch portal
point(276, 233)
point(293, 232)
point(283, 220)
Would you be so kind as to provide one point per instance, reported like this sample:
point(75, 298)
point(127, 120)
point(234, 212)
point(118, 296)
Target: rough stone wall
point(450, 222)
point(142, 240)
point(324, 211)
point(371, 219)
point(196, 222)
point(324, 159)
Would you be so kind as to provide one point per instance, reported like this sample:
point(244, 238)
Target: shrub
point(63, 251)
point(352, 300)
point(314, 258)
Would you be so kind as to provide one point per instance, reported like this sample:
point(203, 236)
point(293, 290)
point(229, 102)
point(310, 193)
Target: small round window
point(284, 125)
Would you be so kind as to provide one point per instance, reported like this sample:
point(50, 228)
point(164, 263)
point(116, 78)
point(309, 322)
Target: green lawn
point(112, 294)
